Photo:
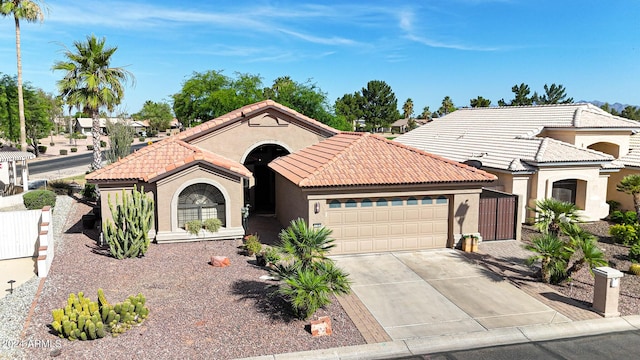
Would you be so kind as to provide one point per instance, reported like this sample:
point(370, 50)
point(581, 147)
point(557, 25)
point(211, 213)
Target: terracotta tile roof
point(509, 137)
point(350, 159)
point(162, 157)
point(246, 111)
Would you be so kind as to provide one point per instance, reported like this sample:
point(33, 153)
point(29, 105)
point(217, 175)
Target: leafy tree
point(349, 107)
point(90, 83)
point(411, 124)
point(37, 111)
point(407, 109)
point(554, 94)
point(29, 11)
point(480, 102)
point(447, 107)
point(553, 216)
point(203, 97)
point(630, 184)
point(631, 112)
point(158, 113)
point(120, 139)
point(380, 106)
point(426, 113)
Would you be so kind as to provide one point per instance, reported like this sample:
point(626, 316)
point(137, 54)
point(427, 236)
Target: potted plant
point(252, 244)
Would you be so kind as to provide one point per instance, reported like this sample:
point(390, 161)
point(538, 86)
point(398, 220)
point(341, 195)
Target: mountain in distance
point(616, 106)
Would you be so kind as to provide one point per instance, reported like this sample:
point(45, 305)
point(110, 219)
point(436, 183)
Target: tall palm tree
point(630, 184)
point(91, 84)
point(553, 215)
point(30, 11)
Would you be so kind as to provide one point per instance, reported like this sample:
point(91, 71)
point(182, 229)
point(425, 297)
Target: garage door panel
point(365, 216)
point(389, 228)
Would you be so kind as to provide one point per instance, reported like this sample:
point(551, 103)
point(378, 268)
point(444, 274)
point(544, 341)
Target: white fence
point(27, 233)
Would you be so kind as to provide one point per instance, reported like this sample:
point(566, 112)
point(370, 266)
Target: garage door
point(388, 224)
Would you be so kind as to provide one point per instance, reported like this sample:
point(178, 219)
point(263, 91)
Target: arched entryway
point(262, 196)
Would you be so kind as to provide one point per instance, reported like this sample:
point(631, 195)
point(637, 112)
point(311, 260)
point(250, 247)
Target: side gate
point(497, 218)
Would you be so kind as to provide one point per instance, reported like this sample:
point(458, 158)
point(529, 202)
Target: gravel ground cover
point(581, 285)
point(196, 311)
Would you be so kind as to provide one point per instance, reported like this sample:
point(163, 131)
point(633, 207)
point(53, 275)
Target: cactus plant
point(83, 319)
point(128, 234)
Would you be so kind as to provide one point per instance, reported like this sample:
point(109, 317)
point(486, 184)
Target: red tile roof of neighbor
point(246, 111)
point(160, 158)
point(350, 159)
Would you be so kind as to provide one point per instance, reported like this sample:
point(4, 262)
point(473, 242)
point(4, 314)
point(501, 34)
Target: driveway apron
point(439, 292)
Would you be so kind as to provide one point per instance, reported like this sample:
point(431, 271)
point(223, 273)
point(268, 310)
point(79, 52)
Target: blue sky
point(424, 50)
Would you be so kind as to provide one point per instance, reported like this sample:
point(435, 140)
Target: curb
point(475, 340)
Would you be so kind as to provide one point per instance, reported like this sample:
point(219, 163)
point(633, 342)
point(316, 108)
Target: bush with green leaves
point(89, 192)
point(37, 199)
point(90, 147)
point(212, 224)
point(128, 233)
point(42, 149)
point(624, 234)
point(624, 218)
point(60, 187)
point(252, 244)
point(308, 277)
point(193, 226)
point(63, 151)
point(634, 252)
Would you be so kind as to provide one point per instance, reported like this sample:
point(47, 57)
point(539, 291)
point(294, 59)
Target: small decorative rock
point(220, 261)
point(321, 327)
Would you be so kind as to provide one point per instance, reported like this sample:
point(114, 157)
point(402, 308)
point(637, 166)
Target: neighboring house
point(375, 194)
point(631, 162)
point(567, 152)
point(400, 126)
point(85, 125)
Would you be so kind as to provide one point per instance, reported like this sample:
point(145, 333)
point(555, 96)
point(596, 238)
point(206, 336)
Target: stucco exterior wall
point(625, 200)
point(235, 141)
point(593, 194)
point(291, 202)
point(109, 192)
point(169, 190)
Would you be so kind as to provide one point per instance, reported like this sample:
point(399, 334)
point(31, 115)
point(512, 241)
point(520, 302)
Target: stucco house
point(376, 195)
point(571, 152)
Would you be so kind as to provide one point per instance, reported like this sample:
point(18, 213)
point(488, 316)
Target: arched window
point(335, 204)
point(351, 204)
point(200, 202)
point(427, 200)
point(366, 203)
point(412, 201)
point(381, 202)
point(396, 202)
point(441, 200)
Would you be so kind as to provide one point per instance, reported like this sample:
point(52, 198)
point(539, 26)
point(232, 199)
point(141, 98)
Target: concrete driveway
point(439, 292)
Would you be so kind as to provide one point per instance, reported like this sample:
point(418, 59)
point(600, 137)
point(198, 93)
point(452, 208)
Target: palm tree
point(407, 109)
point(91, 84)
point(30, 11)
point(550, 251)
point(306, 244)
point(630, 184)
point(585, 244)
point(553, 215)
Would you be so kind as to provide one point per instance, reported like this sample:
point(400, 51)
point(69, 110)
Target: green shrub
point(60, 187)
point(252, 244)
point(52, 144)
point(89, 191)
point(37, 199)
point(272, 255)
point(141, 139)
point(74, 149)
point(613, 205)
point(103, 143)
point(634, 252)
point(89, 147)
point(624, 234)
point(625, 218)
point(193, 226)
point(42, 149)
point(212, 225)
point(63, 151)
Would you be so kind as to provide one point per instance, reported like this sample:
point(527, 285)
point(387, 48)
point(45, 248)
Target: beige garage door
point(388, 224)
